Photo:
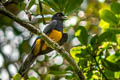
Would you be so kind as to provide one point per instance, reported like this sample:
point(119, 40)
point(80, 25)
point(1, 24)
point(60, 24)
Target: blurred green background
point(93, 42)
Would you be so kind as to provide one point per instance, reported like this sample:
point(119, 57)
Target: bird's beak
point(64, 17)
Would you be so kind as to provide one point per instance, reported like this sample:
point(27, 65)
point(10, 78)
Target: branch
point(11, 2)
point(50, 42)
point(100, 69)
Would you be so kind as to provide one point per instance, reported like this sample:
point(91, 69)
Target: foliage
point(65, 6)
point(97, 55)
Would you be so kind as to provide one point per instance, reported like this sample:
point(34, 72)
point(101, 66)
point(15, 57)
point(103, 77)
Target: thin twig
point(41, 12)
point(100, 69)
point(9, 2)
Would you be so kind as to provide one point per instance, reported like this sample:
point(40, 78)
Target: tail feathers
point(26, 64)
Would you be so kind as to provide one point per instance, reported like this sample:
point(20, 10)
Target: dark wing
point(50, 27)
point(64, 39)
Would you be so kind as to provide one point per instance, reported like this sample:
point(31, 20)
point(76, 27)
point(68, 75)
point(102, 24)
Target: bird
point(53, 30)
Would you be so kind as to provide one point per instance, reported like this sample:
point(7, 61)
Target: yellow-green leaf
point(17, 77)
point(108, 16)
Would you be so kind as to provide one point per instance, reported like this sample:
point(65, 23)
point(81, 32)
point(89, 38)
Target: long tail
point(26, 64)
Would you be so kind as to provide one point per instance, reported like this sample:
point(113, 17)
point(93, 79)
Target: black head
point(59, 16)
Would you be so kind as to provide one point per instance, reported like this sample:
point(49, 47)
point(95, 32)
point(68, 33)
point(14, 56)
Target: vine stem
point(100, 69)
point(41, 12)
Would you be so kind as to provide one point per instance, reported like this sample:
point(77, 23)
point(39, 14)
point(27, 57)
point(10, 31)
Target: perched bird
point(54, 31)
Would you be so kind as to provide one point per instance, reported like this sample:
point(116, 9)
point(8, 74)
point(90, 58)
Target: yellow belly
point(37, 47)
point(54, 35)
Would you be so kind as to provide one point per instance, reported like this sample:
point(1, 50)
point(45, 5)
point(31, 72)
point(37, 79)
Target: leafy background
point(94, 39)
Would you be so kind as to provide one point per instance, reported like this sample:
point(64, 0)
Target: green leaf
point(117, 75)
point(21, 5)
point(103, 24)
point(115, 7)
point(109, 35)
point(89, 75)
point(78, 50)
point(69, 68)
point(82, 35)
point(33, 78)
point(47, 77)
point(115, 31)
point(73, 53)
point(83, 62)
point(17, 77)
point(109, 74)
point(94, 41)
point(45, 10)
point(52, 4)
point(110, 65)
point(65, 6)
point(108, 16)
point(69, 5)
point(115, 57)
point(31, 4)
